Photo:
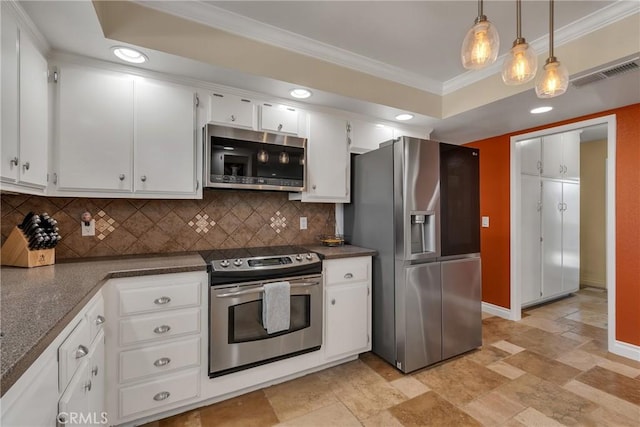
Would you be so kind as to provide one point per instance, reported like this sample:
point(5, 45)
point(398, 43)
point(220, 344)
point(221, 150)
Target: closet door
point(530, 207)
point(551, 238)
point(530, 156)
point(570, 237)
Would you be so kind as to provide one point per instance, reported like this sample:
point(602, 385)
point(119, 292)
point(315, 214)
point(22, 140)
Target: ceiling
point(378, 58)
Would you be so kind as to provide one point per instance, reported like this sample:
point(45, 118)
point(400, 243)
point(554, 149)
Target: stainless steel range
point(237, 337)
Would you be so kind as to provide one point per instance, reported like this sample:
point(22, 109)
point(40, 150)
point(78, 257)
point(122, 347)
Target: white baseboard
point(630, 351)
point(595, 283)
point(496, 310)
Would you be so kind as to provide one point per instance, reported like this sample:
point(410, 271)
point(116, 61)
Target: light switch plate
point(88, 230)
point(485, 222)
point(303, 223)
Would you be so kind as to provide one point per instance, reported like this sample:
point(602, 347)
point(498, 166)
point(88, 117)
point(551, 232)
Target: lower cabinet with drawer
point(154, 343)
point(347, 314)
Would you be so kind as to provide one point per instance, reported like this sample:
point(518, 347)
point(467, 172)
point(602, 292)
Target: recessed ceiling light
point(129, 55)
point(541, 110)
point(380, 125)
point(300, 93)
point(404, 116)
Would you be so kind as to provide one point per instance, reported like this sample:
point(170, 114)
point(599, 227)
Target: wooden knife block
point(15, 252)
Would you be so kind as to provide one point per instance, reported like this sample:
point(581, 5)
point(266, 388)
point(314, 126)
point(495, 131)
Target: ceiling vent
point(606, 73)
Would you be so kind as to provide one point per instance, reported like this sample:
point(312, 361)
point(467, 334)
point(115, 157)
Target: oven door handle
point(261, 289)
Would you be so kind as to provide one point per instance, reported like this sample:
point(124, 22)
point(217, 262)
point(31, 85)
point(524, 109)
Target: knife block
point(15, 252)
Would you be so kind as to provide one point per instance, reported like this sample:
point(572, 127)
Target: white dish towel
point(276, 306)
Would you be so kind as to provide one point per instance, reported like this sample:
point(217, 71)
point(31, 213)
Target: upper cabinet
point(328, 165)
point(366, 136)
point(278, 118)
point(232, 110)
point(561, 155)
point(23, 163)
point(124, 136)
point(530, 161)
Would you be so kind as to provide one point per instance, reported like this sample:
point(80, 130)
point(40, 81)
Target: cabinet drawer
point(72, 352)
point(159, 326)
point(136, 364)
point(95, 317)
point(347, 270)
point(155, 298)
point(154, 394)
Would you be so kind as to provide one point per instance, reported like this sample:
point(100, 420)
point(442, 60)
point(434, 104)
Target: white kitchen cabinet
point(328, 163)
point(124, 137)
point(164, 138)
point(367, 136)
point(154, 343)
point(96, 377)
point(561, 155)
point(347, 306)
point(279, 118)
point(530, 152)
point(24, 109)
point(413, 133)
point(232, 110)
point(94, 147)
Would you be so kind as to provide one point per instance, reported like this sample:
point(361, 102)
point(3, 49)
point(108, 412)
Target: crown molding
point(573, 31)
point(27, 24)
point(243, 26)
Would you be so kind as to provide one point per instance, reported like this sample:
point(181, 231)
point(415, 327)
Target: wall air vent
point(606, 73)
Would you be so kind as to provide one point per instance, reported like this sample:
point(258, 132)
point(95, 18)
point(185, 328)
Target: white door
point(96, 398)
point(571, 236)
point(165, 154)
point(571, 154)
point(552, 238)
point(231, 110)
point(328, 159)
point(34, 120)
point(552, 163)
point(279, 118)
point(366, 136)
point(9, 160)
point(75, 399)
point(530, 162)
point(531, 246)
point(95, 130)
point(346, 319)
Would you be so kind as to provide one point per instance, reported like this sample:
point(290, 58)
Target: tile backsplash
point(221, 219)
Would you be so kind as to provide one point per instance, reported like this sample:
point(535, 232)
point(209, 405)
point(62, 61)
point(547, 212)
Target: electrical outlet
point(88, 229)
point(485, 222)
point(303, 223)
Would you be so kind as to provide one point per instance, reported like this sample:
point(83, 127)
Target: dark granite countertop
point(345, 251)
point(37, 303)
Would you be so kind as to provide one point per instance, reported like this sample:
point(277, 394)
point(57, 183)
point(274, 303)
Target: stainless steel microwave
point(243, 158)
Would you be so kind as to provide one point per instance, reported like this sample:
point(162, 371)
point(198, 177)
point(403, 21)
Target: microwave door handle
point(261, 289)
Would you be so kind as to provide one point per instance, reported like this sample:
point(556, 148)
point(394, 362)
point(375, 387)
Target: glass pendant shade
point(553, 81)
point(263, 156)
point(520, 64)
point(284, 158)
point(480, 45)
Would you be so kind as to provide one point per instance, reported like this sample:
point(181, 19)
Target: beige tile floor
point(550, 369)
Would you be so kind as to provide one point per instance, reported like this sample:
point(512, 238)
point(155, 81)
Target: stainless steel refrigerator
point(417, 203)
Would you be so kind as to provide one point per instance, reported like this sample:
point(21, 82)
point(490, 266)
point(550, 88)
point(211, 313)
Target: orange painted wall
point(494, 201)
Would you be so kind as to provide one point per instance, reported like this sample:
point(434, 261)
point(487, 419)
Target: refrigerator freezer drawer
point(461, 306)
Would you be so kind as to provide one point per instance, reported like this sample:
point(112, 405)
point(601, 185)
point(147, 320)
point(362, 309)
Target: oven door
point(237, 339)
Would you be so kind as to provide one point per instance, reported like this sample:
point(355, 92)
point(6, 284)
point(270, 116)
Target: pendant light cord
point(518, 24)
point(551, 29)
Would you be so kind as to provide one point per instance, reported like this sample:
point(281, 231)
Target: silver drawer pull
point(82, 351)
point(161, 396)
point(162, 329)
point(162, 300)
point(99, 319)
point(348, 276)
point(163, 361)
point(94, 371)
point(87, 386)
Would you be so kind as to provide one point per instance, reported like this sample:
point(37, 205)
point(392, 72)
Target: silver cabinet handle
point(539, 165)
point(143, 178)
point(333, 301)
point(121, 177)
point(161, 396)
point(163, 361)
point(561, 168)
point(14, 161)
point(348, 276)
point(99, 319)
point(162, 300)
point(81, 352)
point(162, 329)
point(87, 386)
point(233, 118)
point(280, 126)
point(565, 168)
point(313, 186)
point(25, 166)
point(564, 206)
point(560, 206)
point(94, 371)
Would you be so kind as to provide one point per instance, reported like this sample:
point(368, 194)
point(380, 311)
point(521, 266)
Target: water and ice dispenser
point(423, 233)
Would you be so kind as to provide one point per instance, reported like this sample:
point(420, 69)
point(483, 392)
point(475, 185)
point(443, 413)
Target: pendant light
point(481, 44)
point(554, 79)
point(521, 63)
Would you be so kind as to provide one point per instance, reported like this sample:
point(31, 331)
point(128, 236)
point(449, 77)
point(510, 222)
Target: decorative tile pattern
point(201, 223)
point(221, 219)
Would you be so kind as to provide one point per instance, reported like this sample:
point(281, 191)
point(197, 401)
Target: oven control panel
point(265, 263)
